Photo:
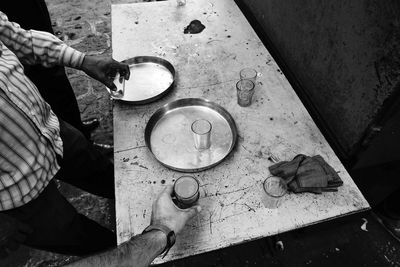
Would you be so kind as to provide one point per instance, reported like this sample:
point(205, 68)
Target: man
point(36, 146)
point(51, 82)
point(157, 239)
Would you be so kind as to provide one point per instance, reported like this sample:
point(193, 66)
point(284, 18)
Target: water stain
point(168, 139)
point(144, 167)
point(195, 26)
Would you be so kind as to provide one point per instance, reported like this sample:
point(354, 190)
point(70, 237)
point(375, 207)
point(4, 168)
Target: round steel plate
point(168, 134)
point(150, 79)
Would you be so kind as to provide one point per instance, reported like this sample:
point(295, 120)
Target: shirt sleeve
point(37, 47)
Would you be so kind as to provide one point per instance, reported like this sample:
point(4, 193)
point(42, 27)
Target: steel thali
point(150, 79)
point(168, 134)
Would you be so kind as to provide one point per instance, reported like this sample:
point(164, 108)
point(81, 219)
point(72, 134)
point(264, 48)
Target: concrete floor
point(356, 240)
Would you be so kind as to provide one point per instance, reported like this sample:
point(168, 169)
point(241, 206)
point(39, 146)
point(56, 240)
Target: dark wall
point(344, 54)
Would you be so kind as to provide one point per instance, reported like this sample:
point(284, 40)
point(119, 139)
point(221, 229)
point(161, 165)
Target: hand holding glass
point(119, 93)
point(186, 191)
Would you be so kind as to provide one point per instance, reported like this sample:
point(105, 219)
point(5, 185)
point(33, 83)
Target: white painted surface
point(275, 126)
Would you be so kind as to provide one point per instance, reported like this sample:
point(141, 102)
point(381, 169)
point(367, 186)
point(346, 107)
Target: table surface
point(275, 127)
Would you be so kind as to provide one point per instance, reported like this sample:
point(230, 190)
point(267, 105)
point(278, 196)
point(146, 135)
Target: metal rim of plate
point(161, 112)
point(151, 59)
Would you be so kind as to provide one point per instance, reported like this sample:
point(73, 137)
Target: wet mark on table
point(168, 139)
point(144, 167)
point(130, 148)
point(194, 27)
point(235, 201)
point(249, 208)
point(229, 192)
point(139, 165)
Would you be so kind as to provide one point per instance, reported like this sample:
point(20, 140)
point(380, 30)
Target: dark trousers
point(392, 205)
point(52, 83)
point(56, 225)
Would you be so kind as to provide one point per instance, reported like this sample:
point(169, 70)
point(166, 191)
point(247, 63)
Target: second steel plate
point(168, 134)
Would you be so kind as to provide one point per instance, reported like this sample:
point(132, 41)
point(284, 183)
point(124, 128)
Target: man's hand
point(166, 213)
point(12, 233)
point(105, 70)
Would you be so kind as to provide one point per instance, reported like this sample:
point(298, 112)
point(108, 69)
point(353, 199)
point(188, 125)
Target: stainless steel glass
point(201, 134)
point(245, 91)
point(186, 191)
point(120, 84)
point(248, 74)
point(275, 188)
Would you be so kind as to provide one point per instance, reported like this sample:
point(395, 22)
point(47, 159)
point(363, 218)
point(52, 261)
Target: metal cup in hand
point(186, 191)
point(119, 82)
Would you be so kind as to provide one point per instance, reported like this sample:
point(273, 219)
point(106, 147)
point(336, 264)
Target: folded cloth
point(307, 174)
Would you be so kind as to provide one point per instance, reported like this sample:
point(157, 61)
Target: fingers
point(125, 71)
point(169, 189)
point(122, 69)
point(111, 86)
point(191, 212)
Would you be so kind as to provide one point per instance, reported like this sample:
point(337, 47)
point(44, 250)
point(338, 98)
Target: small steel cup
point(186, 191)
point(248, 74)
point(245, 91)
point(120, 84)
point(201, 134)
point(275, 188)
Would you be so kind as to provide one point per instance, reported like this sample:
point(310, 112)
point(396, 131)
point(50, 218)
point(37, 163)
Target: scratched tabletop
point(275, 127)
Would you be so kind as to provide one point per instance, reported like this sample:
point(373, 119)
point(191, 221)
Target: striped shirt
point(29, 130)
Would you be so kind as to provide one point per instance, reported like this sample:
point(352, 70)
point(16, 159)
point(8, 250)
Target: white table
point(275, 126)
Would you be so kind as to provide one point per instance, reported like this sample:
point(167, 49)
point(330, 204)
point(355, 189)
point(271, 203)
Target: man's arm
point(36, 47)
point(141, 250)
